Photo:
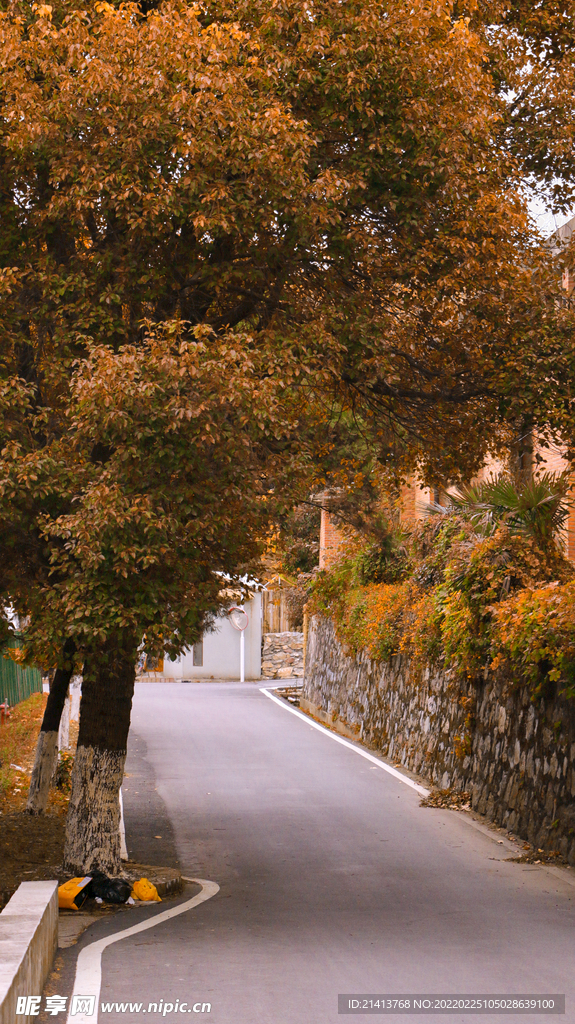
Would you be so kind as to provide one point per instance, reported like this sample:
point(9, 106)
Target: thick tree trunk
point(46, 757)
point(92, 826)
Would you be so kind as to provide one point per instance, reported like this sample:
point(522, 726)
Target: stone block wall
point(516, 758)
point(282, 655)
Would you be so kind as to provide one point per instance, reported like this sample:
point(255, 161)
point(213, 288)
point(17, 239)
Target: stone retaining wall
point(282, 655)
point(515, 757)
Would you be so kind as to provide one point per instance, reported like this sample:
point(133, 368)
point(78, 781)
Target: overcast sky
point(547, 222)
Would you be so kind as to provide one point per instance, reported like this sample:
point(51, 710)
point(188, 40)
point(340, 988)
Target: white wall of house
point(220, 654)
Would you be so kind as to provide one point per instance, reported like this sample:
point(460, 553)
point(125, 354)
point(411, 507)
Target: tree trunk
point(92, 825)
point(46, 757)
point(522, 453)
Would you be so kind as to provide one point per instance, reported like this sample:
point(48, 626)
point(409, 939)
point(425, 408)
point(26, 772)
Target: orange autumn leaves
point(322, 189)
point(497, 603)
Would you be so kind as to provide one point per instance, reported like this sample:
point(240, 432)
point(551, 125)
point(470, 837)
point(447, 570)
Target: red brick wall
point(412, 498)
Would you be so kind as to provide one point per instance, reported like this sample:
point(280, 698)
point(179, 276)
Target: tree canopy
point(340, 178)
point(141, 186)
point(341, 186)
point(443, 300)
point(159, 486)
point(335, 193)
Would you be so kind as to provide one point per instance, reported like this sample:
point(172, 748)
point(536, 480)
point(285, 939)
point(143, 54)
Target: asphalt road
point(333, 879)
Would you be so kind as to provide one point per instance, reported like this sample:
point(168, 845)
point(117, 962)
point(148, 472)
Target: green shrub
point(467, 600)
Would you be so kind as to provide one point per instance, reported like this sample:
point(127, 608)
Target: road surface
point(333, 879)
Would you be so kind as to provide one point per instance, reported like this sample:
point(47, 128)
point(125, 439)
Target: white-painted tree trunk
point(64, 731)
point(47, 746)
point(93, 822)
point(45, 763)
point(92, 825)
point(75, 697)
point(123, 847)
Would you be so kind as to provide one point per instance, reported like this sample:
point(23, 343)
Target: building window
point(198, 650)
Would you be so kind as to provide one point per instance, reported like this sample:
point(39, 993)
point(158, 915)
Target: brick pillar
point(412, 497)
point(330, 539)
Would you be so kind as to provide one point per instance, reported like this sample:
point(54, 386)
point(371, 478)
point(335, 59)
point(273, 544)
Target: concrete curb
point(28, 941)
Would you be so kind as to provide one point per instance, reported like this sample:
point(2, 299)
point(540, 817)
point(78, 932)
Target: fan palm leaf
point(539, 506)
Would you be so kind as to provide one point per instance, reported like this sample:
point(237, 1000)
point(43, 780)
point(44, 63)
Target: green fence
point(17, 681)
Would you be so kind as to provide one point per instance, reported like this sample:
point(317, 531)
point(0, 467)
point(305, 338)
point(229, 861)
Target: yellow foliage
point(534, 636)
point(471, 602)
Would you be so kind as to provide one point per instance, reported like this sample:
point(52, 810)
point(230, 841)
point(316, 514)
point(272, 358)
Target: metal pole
point(242, 656)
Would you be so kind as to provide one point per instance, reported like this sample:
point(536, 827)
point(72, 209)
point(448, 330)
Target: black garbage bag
point(111, 890)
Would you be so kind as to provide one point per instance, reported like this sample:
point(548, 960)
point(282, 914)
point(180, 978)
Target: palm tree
point(539, 506)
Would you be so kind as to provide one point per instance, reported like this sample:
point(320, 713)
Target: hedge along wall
point(515, 757)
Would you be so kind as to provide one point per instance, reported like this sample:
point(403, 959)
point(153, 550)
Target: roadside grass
point(18, 736)
point(31, 847)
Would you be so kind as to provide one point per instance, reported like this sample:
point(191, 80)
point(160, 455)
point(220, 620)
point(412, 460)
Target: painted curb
point(88, 980)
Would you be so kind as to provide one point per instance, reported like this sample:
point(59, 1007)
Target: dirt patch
point(31, 849)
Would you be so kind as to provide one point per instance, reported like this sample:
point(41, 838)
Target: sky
point(546, 221)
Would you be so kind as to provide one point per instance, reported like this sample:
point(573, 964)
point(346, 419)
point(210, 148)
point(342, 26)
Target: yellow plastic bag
point(144, 890)
point(72, 894)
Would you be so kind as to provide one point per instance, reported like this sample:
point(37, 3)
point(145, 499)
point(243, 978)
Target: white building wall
point(221, 650)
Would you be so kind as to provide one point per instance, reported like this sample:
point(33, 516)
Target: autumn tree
point(145, 185)
point(444, 298)
point(298, 208)
point(160, 487)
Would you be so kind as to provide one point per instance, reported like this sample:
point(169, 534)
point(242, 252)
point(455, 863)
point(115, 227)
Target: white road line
point(565, 874)
point(346, 743)
point(88, 980)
